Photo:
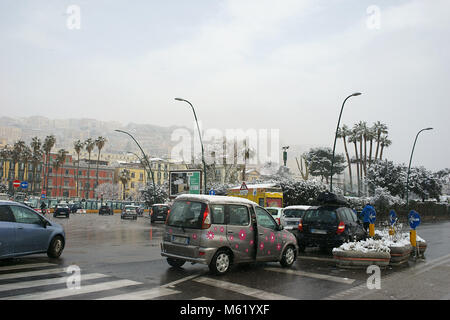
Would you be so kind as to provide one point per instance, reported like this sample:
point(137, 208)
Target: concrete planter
point(422, 246)
point(400, 255)
point(359, 259)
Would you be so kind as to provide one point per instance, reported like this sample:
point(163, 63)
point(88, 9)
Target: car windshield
point(273, 212)
point(293, 213)
point(321, 216)
point(187, 214)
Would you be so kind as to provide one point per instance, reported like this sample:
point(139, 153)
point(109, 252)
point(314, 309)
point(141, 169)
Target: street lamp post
point(201, 142)
point(410, 159)
point(335, 138)
point(146, 160)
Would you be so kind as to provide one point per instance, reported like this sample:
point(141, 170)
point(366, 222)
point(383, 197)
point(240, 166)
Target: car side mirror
point(45, 224)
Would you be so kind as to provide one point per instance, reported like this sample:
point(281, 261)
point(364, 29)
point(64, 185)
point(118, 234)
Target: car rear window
point(187, 214)
point(273, 212)
point(320, 215)
point(293, 213)
point(160, 209)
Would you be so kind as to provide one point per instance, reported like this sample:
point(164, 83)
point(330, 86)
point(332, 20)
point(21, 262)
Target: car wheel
point(56, 247)
point(288, 257)
point(176, 263)
point(221, 262)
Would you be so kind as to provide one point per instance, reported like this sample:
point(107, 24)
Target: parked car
point(62, 209)
point(74, 207)
point(105, 209)
point(23, 231)
point(158, 212)
point(291, 216)
point(221, 231)
point(275, 212)
point(129, 212)
point(328, 226)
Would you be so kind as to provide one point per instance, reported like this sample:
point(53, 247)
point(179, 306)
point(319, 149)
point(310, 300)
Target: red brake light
point(206, 223)
point(340, 228)
point(278, 220)
point(300, 225)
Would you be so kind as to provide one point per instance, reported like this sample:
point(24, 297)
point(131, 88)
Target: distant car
point(129, 212)
point(105, 210)
point(74, 207)
point(159, 212)
point(291, 216)
point(328, 226)
point(24, 231)
point(276, 213)
point(62, 209)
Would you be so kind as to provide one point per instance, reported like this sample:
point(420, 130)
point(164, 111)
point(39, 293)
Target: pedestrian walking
point(365, 215)
point(43, 207)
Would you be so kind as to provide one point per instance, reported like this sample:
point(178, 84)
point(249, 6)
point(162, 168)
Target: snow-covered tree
point(424, 183)
point(387, 175)
point(108, 191)
point(159, 194)
point(319, 162)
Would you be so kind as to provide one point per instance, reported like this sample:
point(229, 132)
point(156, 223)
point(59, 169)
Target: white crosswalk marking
point(143, 295)
point(62, 293)
point(46, 282)
point(252, 292)
point(31, 273)
point(26, 266)
point(312, 275)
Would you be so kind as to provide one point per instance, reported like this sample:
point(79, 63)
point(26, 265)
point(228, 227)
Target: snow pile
point(399, 239)
point(369, 245)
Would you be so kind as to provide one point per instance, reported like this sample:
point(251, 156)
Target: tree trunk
point(349, 164)
point(370, 152)
point(357, 168)
point(378, 145)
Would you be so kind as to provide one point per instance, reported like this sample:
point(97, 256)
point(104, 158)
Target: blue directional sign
point(414, 219)
point(392, 217)
point(212, 192)
point(24, 184)
point(43, 196)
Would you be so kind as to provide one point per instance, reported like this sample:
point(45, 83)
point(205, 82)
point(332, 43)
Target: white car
point(276, 213)
point(291, 216)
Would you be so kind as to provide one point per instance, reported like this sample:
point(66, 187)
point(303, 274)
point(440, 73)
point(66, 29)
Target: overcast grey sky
point(244, 64)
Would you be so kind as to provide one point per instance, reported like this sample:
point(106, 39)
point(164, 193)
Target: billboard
point(185, 182)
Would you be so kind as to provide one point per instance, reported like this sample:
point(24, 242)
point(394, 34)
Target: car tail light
point(278, 220)
point(300, 225)
point(151, 211)
point(340, 228)
point(206, 223)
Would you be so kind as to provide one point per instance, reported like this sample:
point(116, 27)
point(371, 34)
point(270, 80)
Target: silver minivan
point(291, 216)
point(220, 231)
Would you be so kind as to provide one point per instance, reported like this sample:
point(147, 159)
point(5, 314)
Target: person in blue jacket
point(365, 215)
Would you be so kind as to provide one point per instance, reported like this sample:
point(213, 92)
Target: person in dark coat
point(365, 215)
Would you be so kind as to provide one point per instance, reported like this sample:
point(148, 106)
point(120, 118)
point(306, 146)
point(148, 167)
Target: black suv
point(328, 226)
point(158, 212)
point(61, 210)
point(105, 210)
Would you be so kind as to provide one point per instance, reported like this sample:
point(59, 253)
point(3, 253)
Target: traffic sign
point(372, 216)
point(212, 192)
point(392, 217)
point(43, 196)
point(16, 183)
point(244, 186)
point(414, 219)
point(24, 184)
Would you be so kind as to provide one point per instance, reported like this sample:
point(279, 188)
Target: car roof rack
point(329, 198)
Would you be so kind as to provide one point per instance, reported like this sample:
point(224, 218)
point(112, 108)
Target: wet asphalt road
point(121, 250)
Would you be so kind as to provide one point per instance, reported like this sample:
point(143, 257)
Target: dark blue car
point(23, 231)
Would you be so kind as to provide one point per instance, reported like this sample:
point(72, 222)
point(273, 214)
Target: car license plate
point(160, 216)
point(317, 231)
point(293, 222)
point(180, 240)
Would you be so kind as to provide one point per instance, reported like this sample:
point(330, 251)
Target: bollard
point(371, 230)
point(391, 231)
point(412, 237)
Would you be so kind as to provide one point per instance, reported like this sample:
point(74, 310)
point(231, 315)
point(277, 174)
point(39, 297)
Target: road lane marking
point(61, 293)
point(46, 282)
point(174, 283)
point(252, 292)
point(31, 273)
point(143, 295)
point(27, 266)
point(312, 275)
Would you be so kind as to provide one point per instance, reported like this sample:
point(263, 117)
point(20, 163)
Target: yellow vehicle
point(266, 195)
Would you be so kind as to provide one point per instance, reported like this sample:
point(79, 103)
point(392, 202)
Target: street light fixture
point(201, 142)
point(410, 159)
point(335, 138)
point(145, 157)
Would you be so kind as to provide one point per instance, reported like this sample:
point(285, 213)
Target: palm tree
point(124, 177)
point(371, 134)
point(36, 145)
point(78, 146)
point(100, 143)
point(380, 128)
point(353, 138)
point(365, 133)
point(343, 133)
point(89, 145)
point(5, 155)
point(49, 143)
point(60, 159)
point(357, 130)
point(26, 156)
point(385, 143)
point(16, 154)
